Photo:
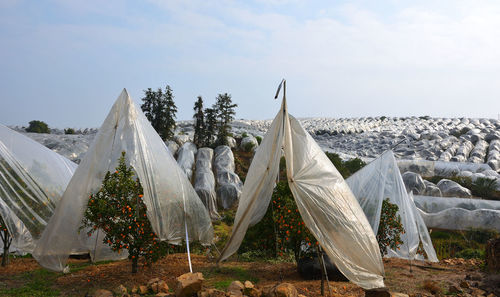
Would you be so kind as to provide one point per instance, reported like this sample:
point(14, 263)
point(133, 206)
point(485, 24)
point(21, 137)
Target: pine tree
point(154, 110)
point(171, 110)
point(199, 122)
point(210, 125)
point(225, 115)
point(160, 109)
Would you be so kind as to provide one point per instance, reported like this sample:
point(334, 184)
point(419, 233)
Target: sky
point(65, 62)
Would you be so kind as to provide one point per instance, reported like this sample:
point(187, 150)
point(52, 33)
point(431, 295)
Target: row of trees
point(214, 121)
point(210, 123)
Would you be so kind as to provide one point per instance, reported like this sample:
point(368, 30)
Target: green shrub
point(248, 147)
point(69, 131)
point(228, 216)
point(345, 168)
point(38, 127)
point(471, 254)
point(259, 139)
point(244, 134)
point(484, 187)
point(354, 165)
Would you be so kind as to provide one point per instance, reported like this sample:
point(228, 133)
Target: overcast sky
point(65, 62)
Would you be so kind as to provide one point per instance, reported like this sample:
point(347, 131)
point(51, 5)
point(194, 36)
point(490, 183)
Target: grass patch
point(222, 277)
point(461, 244)
point(39, 284)
point(75, 267)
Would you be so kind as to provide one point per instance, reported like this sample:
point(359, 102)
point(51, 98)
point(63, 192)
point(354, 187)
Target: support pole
point(187, 246)
point(324, 274)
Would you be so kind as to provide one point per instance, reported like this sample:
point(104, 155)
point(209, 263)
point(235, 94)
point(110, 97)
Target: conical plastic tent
point(379, 180)
point(32, 181)
point(324, 201)
point(173, 207)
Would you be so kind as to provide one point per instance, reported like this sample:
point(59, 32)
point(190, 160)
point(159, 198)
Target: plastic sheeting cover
point(170, 199)
point(22, 242)
point(380, 180)
point(432, 204)
point(32, 181)
point(259, 184)
point(324, 200)
point(330, 210)
point(463, 219)
point(204, 181)
point(186, 158)
point(228, 183)
point(439, 168)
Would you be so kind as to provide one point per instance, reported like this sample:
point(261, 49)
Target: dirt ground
point(86, 278)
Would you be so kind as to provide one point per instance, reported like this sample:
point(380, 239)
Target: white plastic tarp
point(324, 200)
point(32, 181)
point(228, 182)
point(204, 181)
point(186, 158)
point(22, 242)
point(463, 219)
point(172, 204)
point(378, 181)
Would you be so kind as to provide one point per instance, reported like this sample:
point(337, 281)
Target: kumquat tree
point(282, 230)
point(291, 233)
point(118, 210)
point(390, 228)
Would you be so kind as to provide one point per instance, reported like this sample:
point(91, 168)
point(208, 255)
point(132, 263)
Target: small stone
point(252, 292)
point(286, 290)
point(142, 290)
point(268, 291)
point(189, 284)
point(162, 287)
point(134, 290)
point(152, 281)
point(161, 294)
point(248, 285)
point(121, 290)
point(103, 293)
point(396, 294)
point(235, 286)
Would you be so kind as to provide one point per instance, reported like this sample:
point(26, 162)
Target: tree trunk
point(134, 265)
point(6, 245)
